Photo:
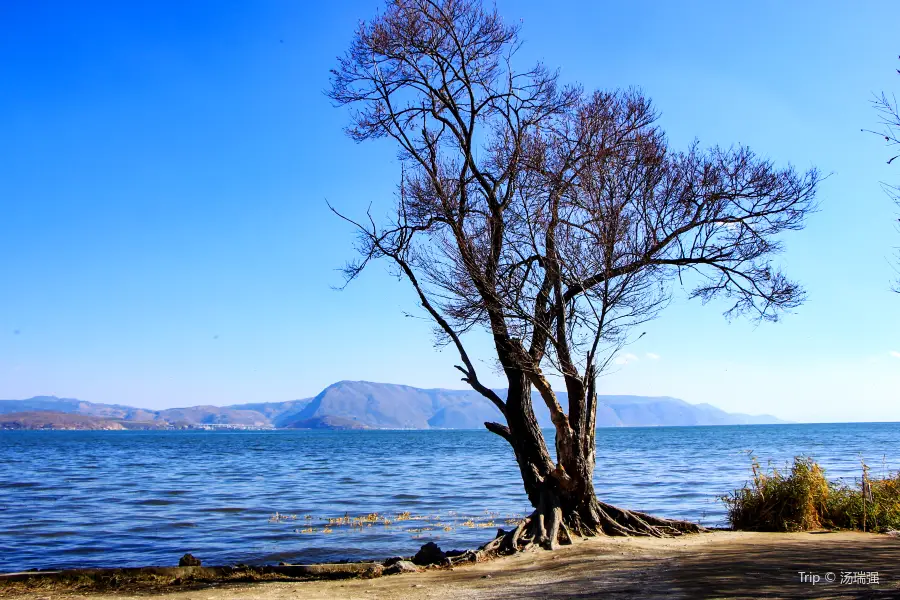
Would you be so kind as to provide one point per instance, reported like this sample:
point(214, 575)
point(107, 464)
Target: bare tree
point(889, 115)
point(556, 220)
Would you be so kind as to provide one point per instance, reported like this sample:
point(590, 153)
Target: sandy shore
point(715, 565)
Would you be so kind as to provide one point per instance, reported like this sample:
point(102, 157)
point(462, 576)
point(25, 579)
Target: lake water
point(133, 498)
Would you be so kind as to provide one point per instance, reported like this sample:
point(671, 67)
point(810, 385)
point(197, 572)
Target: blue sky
point(164, 238)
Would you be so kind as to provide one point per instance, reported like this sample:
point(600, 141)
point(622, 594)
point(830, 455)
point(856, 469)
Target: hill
point(48, 419)
point(55, 420)
point(368, 405)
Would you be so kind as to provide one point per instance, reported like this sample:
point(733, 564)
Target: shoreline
point(715, 564)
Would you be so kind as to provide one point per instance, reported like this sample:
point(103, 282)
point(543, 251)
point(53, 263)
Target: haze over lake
point(133, 498)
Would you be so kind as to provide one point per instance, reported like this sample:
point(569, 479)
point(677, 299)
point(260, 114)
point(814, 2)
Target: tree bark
point(565, 503)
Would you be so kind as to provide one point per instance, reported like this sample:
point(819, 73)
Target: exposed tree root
point(618, 521)
point(547, 528)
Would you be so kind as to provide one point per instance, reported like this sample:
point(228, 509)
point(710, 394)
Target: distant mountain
point(652, 411)
point(368, 405)
point(73, 406)
point(214, 415)
point(276, 412)
point(244, 415)
point(666, 411)
point(389, 406)
point(326, 422)
point(54, 420)
point(46, 419)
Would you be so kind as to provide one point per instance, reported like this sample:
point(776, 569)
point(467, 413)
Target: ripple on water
point(153, 502)
point(103, 509)
point(405, 497)
point(148, 529)
point(55, 534)
point(84, 550)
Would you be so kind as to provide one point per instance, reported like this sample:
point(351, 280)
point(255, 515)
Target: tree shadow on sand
point(768, 569)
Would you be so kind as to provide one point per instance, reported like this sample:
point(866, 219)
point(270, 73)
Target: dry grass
point(805, 500)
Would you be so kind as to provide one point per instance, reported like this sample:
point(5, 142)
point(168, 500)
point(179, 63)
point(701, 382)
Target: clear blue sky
point(164, 166)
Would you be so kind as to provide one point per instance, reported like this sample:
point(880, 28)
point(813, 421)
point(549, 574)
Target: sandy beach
point(714, 565)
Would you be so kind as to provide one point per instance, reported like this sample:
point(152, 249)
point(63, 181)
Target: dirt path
point(716, 565)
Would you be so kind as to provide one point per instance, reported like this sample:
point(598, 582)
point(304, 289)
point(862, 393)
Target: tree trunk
point(562, 494)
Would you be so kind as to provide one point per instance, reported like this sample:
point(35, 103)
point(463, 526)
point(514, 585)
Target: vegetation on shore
point(805, 499)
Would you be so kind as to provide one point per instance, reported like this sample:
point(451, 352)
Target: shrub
point(805, 500)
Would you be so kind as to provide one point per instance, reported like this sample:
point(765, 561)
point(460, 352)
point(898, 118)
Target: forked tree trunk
point(539, 211)
point(562, 494)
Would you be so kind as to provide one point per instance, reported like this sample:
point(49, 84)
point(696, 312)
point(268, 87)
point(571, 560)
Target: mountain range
point(357, 405)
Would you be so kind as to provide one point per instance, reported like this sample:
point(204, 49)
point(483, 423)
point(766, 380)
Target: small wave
point(53, 534)
point(277, 537)
point(153, 502)
point(687, 495)
point(83, 550)
point(81, 510)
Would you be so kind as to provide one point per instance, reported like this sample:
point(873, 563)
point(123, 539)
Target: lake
point(136, 498)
